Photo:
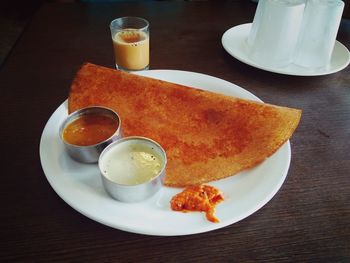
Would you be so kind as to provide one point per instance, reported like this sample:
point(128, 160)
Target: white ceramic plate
point(234, 42)
point(80, 185)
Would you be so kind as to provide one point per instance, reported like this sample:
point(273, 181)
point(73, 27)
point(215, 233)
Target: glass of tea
point(130, 36)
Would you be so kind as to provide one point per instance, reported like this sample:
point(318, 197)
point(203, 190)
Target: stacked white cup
point(318, 33)
point(302, 32)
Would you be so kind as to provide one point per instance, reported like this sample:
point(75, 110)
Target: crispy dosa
point(206, 136)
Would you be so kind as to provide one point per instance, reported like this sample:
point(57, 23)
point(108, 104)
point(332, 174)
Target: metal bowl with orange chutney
point(86, 132)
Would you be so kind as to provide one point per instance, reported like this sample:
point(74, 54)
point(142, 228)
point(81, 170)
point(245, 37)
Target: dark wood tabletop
point(306, 221)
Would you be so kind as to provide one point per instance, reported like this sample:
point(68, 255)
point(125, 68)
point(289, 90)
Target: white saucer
point(234, 42)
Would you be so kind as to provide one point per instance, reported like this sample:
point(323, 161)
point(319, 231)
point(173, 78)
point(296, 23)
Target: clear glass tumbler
point(130, 36)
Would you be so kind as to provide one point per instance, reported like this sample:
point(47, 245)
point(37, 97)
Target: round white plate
point(234, 42)
point(80, 185)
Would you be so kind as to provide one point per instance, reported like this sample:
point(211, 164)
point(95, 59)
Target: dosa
point(206, 136)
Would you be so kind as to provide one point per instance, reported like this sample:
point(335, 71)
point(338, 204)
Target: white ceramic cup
point(318, 34)
point(275, 30)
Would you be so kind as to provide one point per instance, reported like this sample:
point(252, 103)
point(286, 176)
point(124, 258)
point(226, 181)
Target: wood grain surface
point(308, 219)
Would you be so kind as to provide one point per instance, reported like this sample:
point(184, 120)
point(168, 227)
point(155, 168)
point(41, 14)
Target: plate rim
point(205, 228)
point(284, 71)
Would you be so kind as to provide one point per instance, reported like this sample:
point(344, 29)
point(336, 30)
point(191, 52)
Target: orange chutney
point(90, 129)
point(202, 198)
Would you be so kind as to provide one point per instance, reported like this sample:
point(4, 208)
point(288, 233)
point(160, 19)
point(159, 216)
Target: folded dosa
point(206, 136)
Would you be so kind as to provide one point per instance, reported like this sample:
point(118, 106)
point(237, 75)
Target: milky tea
point(131, 49)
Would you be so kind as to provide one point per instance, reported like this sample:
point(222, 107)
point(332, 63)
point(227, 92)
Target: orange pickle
point(201, 198)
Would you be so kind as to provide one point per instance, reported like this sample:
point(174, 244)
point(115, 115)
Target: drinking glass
point(130, 36)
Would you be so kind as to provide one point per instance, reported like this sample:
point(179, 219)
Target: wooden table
point(308, 219)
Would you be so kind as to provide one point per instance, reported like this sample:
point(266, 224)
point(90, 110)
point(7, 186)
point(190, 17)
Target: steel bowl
point(90, 153)
point(131, 192)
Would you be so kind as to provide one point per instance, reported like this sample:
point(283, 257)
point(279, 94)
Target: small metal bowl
point(90, 153)
point(132, 168)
